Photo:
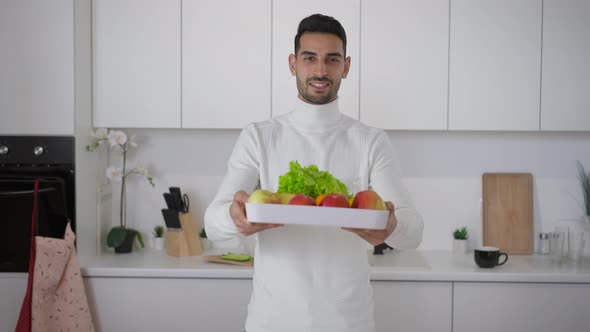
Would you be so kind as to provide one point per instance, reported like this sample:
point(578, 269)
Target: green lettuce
point(310, 181)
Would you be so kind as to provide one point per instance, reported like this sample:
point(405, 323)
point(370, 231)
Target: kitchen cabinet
point(413, 306)
point(155, 304)
point(12, 293)
point(136, 63)
point(405, 52)
point(37, 67)
point(565, 101)
point(495, 61)
point(225, 63)
point(517, 307)
point(286, 16)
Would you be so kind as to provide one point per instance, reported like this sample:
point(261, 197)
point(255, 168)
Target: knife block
point(185, 241)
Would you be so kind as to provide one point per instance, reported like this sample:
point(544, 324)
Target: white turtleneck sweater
point(313, 278)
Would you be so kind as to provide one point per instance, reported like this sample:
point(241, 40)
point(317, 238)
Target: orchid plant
point(119, 143)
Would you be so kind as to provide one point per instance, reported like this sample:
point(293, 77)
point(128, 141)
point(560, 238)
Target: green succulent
point(461, 233)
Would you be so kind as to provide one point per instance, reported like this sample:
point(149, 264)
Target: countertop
point(397, 265)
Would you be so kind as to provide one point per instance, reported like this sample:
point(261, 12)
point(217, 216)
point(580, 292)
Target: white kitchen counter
point(410, 265)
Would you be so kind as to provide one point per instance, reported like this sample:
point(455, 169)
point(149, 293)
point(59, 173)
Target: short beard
point(302, 87)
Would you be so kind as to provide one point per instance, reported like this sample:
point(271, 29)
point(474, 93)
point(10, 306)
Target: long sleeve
point(385, 179)
point(242, 174)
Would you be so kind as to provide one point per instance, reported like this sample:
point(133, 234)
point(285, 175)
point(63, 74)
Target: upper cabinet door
point(495, 64)
point(285, 20)
point(565, 102)
point(36, 67)
point(225, 63)
point(136, 63)
point(404, 64)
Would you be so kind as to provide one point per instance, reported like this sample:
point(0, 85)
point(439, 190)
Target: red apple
point(302, 199)
point(368, 199)
point(335, 200)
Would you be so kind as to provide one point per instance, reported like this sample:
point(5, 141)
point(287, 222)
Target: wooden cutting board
point(508, 212)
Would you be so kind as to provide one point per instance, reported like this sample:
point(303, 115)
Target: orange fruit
point(318, 200)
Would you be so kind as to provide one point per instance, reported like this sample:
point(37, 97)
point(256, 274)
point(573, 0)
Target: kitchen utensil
point(171, 218)
point(177, 197)
point(508, 212)
point(170, 202)
point(185, 203)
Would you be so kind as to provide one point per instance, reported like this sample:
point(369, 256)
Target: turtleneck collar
point(313, 117)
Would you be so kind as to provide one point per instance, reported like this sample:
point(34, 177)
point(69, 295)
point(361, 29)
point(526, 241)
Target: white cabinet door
point(12, 293)
point(518, 307)
point(154, 304)
point(404, 64)
point(413, 306)
point(136, 63)
point(36, 67)
point(285, 20)
point(495, 65)
point(565, 97)
point(225, 63)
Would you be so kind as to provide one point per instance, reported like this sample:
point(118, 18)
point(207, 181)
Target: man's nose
point(321, 69)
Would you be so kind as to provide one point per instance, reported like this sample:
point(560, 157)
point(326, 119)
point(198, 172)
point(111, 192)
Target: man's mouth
point(319, 85)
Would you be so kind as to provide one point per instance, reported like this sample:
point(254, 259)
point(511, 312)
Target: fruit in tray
point(264, 196)
point(368, 199)
point(334, 200)
point(310, 186)
point(302, 199)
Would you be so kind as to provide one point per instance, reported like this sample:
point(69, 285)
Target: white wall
point(442, 170)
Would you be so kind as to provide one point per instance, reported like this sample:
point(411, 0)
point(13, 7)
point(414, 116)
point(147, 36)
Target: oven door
point(16, 207)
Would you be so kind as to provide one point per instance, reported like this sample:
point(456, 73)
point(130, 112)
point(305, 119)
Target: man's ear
point(346, 67)
point(292, 64)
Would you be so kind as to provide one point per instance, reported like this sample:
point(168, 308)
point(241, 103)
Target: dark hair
point(320, 23)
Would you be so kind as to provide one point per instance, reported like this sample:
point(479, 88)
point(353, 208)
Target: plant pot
point(459, 246)
point(127, 245)
point(159, 243)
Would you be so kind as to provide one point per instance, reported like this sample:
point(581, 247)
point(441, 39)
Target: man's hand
point(237, 211)
point(377, 236)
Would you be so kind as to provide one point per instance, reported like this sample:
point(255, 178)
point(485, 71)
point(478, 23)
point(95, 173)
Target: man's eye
point(334, 60)
point(308, 58)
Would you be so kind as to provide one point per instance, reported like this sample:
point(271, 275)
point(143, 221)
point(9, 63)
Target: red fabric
point(24, 319)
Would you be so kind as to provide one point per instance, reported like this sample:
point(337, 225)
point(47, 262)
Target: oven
point(22, 160)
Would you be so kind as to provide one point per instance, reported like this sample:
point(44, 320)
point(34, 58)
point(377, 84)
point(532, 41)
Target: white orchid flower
point(132, 142)
point(141, 171)
point(114, 173)
point(99, 133)
point(117, 137)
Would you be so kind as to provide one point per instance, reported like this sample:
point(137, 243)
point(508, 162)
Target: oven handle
point(25, 192)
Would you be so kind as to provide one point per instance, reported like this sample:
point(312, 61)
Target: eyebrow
point(337, 54)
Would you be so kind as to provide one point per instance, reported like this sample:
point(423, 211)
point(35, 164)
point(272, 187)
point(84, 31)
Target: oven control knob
point(3, 150)
point(38, 150)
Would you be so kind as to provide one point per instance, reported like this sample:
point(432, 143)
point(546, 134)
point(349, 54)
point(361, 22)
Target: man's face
point(319, 66)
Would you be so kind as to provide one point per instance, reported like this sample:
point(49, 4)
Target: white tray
point(316, 215)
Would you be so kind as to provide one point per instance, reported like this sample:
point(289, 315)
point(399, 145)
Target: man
point(313, 278)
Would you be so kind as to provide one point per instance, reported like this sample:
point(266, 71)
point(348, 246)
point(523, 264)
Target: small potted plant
point(205, 243)
point(585, 183)
point(120, 237)
point(158, 233)
point(460, 236)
